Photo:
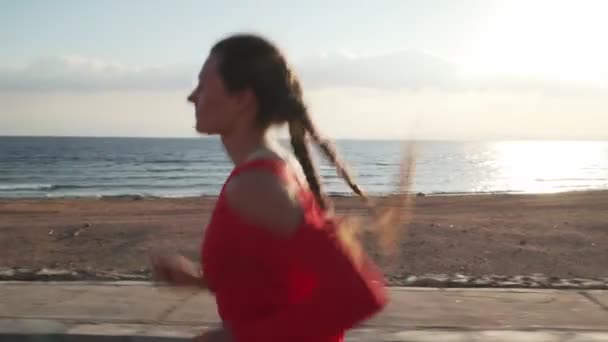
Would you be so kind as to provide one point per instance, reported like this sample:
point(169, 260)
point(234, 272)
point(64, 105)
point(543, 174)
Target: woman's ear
point(246, 101)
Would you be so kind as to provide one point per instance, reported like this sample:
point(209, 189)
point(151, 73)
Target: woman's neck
point(240, 145)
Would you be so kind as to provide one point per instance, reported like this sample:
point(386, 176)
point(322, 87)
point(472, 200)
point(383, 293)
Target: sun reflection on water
point(544, 166)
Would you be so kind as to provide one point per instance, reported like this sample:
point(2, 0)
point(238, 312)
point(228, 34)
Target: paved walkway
point(94, 311)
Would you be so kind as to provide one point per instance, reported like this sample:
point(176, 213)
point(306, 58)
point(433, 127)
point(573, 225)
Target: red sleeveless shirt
point(302, 288)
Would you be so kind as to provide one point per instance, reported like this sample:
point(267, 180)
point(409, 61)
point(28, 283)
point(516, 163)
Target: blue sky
point(151, 32)
point(436, 69)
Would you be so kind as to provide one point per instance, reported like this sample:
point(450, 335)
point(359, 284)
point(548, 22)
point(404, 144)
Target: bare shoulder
point(264, 199)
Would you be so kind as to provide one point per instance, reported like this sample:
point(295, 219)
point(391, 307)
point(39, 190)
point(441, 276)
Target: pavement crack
point(594, 300)
point(163, 315)
point(503, 300)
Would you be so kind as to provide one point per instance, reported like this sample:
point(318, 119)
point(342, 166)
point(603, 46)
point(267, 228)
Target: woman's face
point(216, 109)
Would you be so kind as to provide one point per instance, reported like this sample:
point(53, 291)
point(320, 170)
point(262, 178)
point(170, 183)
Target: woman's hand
point(176, 270)
point(215, 335)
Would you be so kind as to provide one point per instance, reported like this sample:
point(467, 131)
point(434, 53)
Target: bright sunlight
point(544, 40)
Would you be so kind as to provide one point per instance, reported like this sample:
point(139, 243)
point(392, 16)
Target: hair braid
point(301, 150)
point(330, 153)
point(300, 127)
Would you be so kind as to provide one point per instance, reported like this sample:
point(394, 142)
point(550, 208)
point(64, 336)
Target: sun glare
point(546, 166)
point(550, 40)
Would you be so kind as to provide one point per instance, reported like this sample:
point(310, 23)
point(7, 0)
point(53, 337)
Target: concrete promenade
point(138, 311)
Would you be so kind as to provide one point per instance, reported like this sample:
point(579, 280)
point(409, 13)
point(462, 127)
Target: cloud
point(398, 69)
point(416, 70)
point(78, 73)
point(404, 69)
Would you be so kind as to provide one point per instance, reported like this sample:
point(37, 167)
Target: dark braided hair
point(250, 61)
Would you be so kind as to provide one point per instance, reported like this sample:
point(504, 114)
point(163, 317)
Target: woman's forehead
point(209, 66)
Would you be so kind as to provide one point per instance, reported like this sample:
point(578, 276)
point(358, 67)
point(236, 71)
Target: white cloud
point(399, 69)
point(416, 70)
point(404, 69)
point(78, 73)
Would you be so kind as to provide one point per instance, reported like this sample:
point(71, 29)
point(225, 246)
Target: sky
point(427, 69)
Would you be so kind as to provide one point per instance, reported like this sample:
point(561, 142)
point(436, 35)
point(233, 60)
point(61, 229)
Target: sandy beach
point(561, 235)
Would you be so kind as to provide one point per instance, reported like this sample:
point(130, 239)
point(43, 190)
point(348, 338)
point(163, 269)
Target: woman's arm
point(177, 270)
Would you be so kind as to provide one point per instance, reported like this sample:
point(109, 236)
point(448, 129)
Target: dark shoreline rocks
point(535, 281)
point(46, 274)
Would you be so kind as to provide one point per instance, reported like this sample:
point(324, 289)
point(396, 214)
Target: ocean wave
point(24, 187)
point(570, 179)
point(142, 196)
point(466, 193)
point(133, 196)
point(62, 187)
point(129, 186)
point(170, 161)
point(181, 169)
point(571, 186)
point(156, 177)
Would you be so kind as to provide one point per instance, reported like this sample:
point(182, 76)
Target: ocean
point(158, 167)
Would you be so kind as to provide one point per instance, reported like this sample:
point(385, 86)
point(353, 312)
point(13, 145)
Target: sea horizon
point(445, 139)
point(68, 166)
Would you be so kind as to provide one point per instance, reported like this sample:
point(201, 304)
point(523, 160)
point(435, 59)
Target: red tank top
point(303, 288)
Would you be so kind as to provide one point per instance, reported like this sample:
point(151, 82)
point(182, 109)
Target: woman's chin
point(204, 130)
